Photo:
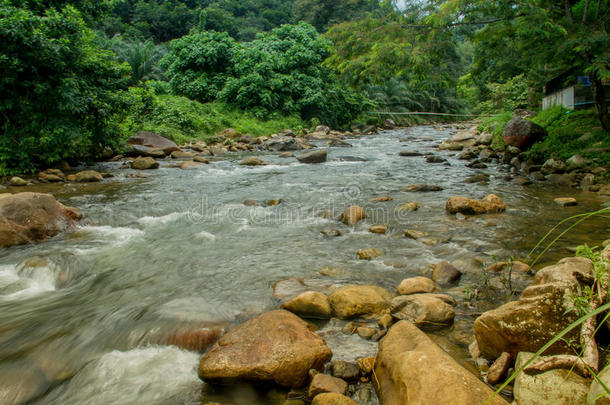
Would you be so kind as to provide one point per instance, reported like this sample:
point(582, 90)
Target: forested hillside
point(78, 77)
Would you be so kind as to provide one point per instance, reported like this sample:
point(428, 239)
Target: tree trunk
point(601, 105)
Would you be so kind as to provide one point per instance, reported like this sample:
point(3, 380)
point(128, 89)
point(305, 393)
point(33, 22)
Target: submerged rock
point(33, 217)
point(317, 156)
point(566, 201)
point(368, 254)
point(359, 300)
point(380, 229)
point(445, 274)
point(275, 347)
point(332, 398)
point(422, 188)
point(251, 161)
point(411, 369)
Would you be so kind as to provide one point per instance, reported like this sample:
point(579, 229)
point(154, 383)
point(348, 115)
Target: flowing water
point(78, 314)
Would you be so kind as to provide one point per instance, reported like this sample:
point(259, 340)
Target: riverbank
point(175, 256)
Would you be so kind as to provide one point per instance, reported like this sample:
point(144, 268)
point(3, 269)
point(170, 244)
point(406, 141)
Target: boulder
point(309, 304)
point(577, 162)
point(317, 156)
point(484, 139)
point(563, 180)
point(322, 383)
point(416, 285)
point(423, 310)
point(498, 369)
point(345, 370)
point(139, 150)
point(359, 300)
point(490, 204)
point(352, 215)
point(189, 337)
point(454, 146)
point(332, 398)
point(411, 369)
point(544, 309)
point(414, 234)
point(201, 159)
point(154, 141)
point(51, 176)
point(182, 155)
point(21, 385)
point(88, 176)
point(435, 159)
point(33, 217)
point(553, 166)
point(445, 274)
point(144, 163)
point(422, 188)
point(276, 347)
point(522, 133)
point(369, 254)
point(323, 129)
point(229, 133)
point(553, 387)
point(282, 144)
point(251, 161)
point(17, 182)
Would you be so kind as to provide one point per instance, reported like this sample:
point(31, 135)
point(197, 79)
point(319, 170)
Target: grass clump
point(570, 133)
point(181, 119)
point(495, 125)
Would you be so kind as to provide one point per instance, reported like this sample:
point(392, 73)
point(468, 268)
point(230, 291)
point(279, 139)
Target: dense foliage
point(278, 71)
point(59, 92)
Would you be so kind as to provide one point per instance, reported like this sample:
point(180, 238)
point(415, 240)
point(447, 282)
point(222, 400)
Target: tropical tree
point(143, 57)
point(60, 94)
point(538, 38)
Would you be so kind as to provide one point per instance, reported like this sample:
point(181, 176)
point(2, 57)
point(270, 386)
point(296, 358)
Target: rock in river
point(275, 347)
point(445, 274)
point(522, 133)
point(144, 163)
point(154, 141)
point(359, 300)
point(317, 156)
point(322, 383)
point(490, 204)
point(309, 304)
point(88, 176)
point(33, 217)
point(251, 161)
point(422, 188)
point(423, 310)
point(352, 215)
point(411, 369)
point(332, 398)
point(416, 285)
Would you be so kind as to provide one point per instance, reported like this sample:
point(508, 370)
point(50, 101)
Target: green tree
point(142, 57)
point(539, 38)
point(60, 94)
point(199, 65)
point(392, 61)
point(324, 13)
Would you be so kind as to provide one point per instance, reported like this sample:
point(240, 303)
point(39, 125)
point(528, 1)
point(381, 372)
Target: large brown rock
point(275, 347)
point(88, 176)
point(310, 304)
point(490, 204)
point(415, 285)
point(359, 300)
point(33, 217)
point(322, 383)
point(543, 310)
point(352, 215)
point(411, 369)
point(154, 141)
point(522, 133)
point(144, 163)
point(423, 310)
point(445, 274)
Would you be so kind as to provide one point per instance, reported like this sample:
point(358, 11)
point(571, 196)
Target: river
point(179, 247)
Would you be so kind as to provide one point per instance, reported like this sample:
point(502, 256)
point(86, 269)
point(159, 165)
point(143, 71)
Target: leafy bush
point(507, 96)
point(571, 132)
point(60, 94)
point(495, 126)
point(199, 65)
point(280, 71)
